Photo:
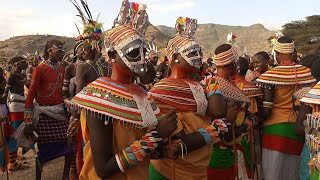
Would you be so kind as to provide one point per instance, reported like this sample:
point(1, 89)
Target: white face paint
point(132, 54)
point(192, 54)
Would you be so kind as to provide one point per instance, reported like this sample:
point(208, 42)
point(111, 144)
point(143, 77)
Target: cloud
point(166, 7)
point(10, 20)
point(16, 22)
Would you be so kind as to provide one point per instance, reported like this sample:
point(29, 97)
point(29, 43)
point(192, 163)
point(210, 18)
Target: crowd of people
point(129, 115)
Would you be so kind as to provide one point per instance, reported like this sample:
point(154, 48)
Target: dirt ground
point(51, 171)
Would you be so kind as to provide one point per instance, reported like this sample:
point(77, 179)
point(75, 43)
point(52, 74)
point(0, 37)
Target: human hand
point(168, 124)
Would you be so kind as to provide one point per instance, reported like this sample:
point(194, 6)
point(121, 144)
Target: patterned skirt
point(52, 141)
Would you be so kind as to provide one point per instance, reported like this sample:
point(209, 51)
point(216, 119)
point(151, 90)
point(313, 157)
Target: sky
point(23, 17)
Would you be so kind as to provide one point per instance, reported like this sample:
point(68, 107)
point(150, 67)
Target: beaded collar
point(128, 103)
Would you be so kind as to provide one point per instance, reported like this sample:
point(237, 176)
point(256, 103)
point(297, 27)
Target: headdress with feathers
point(152, 51)
point(183, 42)
point(92, 29)
point(128, 28)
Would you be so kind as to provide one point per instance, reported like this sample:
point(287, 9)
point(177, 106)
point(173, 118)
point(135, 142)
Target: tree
point(305, 33)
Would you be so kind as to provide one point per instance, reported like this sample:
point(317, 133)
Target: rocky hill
point(250, 39)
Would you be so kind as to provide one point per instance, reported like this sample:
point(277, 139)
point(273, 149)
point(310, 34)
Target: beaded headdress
point(152, 51)
point(127, 34)
point(92, 29)
point(226, 57)
point(183, 42)
point(284, 48)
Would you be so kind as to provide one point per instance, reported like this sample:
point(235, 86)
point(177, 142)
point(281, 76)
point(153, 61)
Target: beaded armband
point(73, 126)
point(136, 152)
point(28, 115)
point(216, 129)
point(267, 104)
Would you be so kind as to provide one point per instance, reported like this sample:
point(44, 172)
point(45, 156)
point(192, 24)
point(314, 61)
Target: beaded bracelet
point(217, 128)
point(119, 163)
point(28, 115)
point(73, 126)
point(137, 151)
point(267, 104)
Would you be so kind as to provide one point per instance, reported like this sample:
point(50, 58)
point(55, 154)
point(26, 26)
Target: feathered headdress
point(231, 38)
point(186, 26)
point(133, 15)
point(128, 28)
point(274, 38)
point(183, 42)
point(152, 51)
point(92, 31)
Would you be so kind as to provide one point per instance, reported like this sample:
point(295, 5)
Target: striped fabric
point(249, 89)
point(287, 76)
point(218, 85)
point(177, 43)
point(120, 36)
point(298, 95)
point(174, 92)
point(225, 58)
point(128, 103)
point(313, 96)
point(281, 137)
point(284, 48)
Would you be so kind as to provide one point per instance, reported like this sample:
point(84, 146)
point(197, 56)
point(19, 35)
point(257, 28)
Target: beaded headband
point(129, 34)
point(226, 57)
point(183, 42)
point(284, 48)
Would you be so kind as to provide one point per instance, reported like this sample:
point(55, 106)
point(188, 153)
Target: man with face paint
point(195, 134)
point(47, 116)
point(281, 146)
point(115, 114)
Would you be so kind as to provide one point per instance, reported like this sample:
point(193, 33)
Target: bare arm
point(268, 97)
point(7, 88)
point(216, 106)
point(66, 80)
point(101, 141)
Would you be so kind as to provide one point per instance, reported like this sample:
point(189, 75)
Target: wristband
point(28, 115)
point(73, 126)
point(119, 163)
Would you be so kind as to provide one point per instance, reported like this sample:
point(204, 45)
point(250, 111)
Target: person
point(93, 67)
point(69, 81)
point(188, 98)
point(260, 65)
point(6, 130)
point(256, 97)
point(281, 147)
point(117, 139)
point(33, 62)
point(225, 100)
point(14, 94)
point(304, 109)
point(163, 70)
point(47, 116)
point(147, 79)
